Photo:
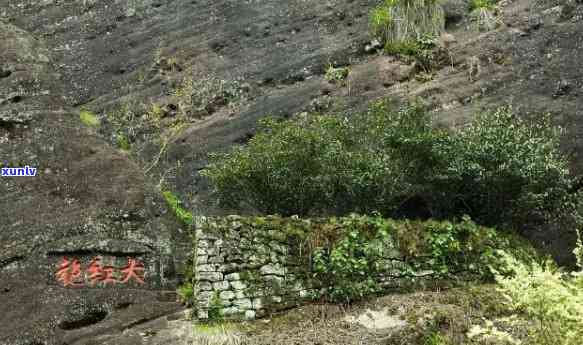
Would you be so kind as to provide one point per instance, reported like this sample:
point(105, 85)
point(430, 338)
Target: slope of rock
point(88, 198)
point(86, 201)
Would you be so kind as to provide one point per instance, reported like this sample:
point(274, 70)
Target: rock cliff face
point(91, 199)
point(86, 201)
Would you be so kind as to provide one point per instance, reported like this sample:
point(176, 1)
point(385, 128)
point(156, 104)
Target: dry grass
point(438, 317)
point(217, 334)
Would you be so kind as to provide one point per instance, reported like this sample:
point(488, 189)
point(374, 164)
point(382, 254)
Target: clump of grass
point(123, 142)
point(436, 338)
point(483, 13)
point(88, 118)
point(396, 21)
point(200, 95)
point(380, 16)
point(154, 115)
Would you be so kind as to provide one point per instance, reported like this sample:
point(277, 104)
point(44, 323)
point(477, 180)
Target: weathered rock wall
point(71, 235)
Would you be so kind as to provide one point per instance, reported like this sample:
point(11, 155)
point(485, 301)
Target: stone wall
point(247, 267)
point(243, 272)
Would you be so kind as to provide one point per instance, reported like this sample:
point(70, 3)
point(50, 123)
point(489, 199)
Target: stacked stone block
point(242, 273)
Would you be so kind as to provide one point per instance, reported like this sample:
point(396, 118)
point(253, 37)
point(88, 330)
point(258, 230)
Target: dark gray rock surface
point(89, 198)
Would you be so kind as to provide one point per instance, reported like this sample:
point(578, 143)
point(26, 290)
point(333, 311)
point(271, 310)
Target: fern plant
point(548, 296)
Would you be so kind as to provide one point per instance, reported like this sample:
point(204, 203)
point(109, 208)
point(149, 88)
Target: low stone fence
point(248, 267)
point(242, 272)
point(245, 268)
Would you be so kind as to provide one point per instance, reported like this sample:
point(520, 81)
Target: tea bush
point(500, 170)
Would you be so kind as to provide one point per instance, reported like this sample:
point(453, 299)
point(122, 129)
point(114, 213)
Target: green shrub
point(350, 267)
point(336, 74)
point(500, 170)
point(422, 50)
point(186, 293)
point(123, 143)
point(317, 163)
point(215, 311)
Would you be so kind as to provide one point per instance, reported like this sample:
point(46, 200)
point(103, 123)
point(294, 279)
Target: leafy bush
point(292, 168)
point(352, 266)
point(500, 170)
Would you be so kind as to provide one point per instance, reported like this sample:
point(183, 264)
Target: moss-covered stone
point(261, 265)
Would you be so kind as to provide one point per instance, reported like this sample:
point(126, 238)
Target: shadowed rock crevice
point(88, 317)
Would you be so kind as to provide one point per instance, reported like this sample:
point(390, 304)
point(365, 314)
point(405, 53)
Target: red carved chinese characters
point(108, 277)
point(134, 269)
point(70, 274)
point(95, 271)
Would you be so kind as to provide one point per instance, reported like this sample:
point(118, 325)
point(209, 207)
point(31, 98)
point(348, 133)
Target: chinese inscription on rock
point(72, 273)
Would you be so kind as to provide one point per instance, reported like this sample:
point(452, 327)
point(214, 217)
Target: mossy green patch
point(176, 206)
point(88, 118)
point(123, 143)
